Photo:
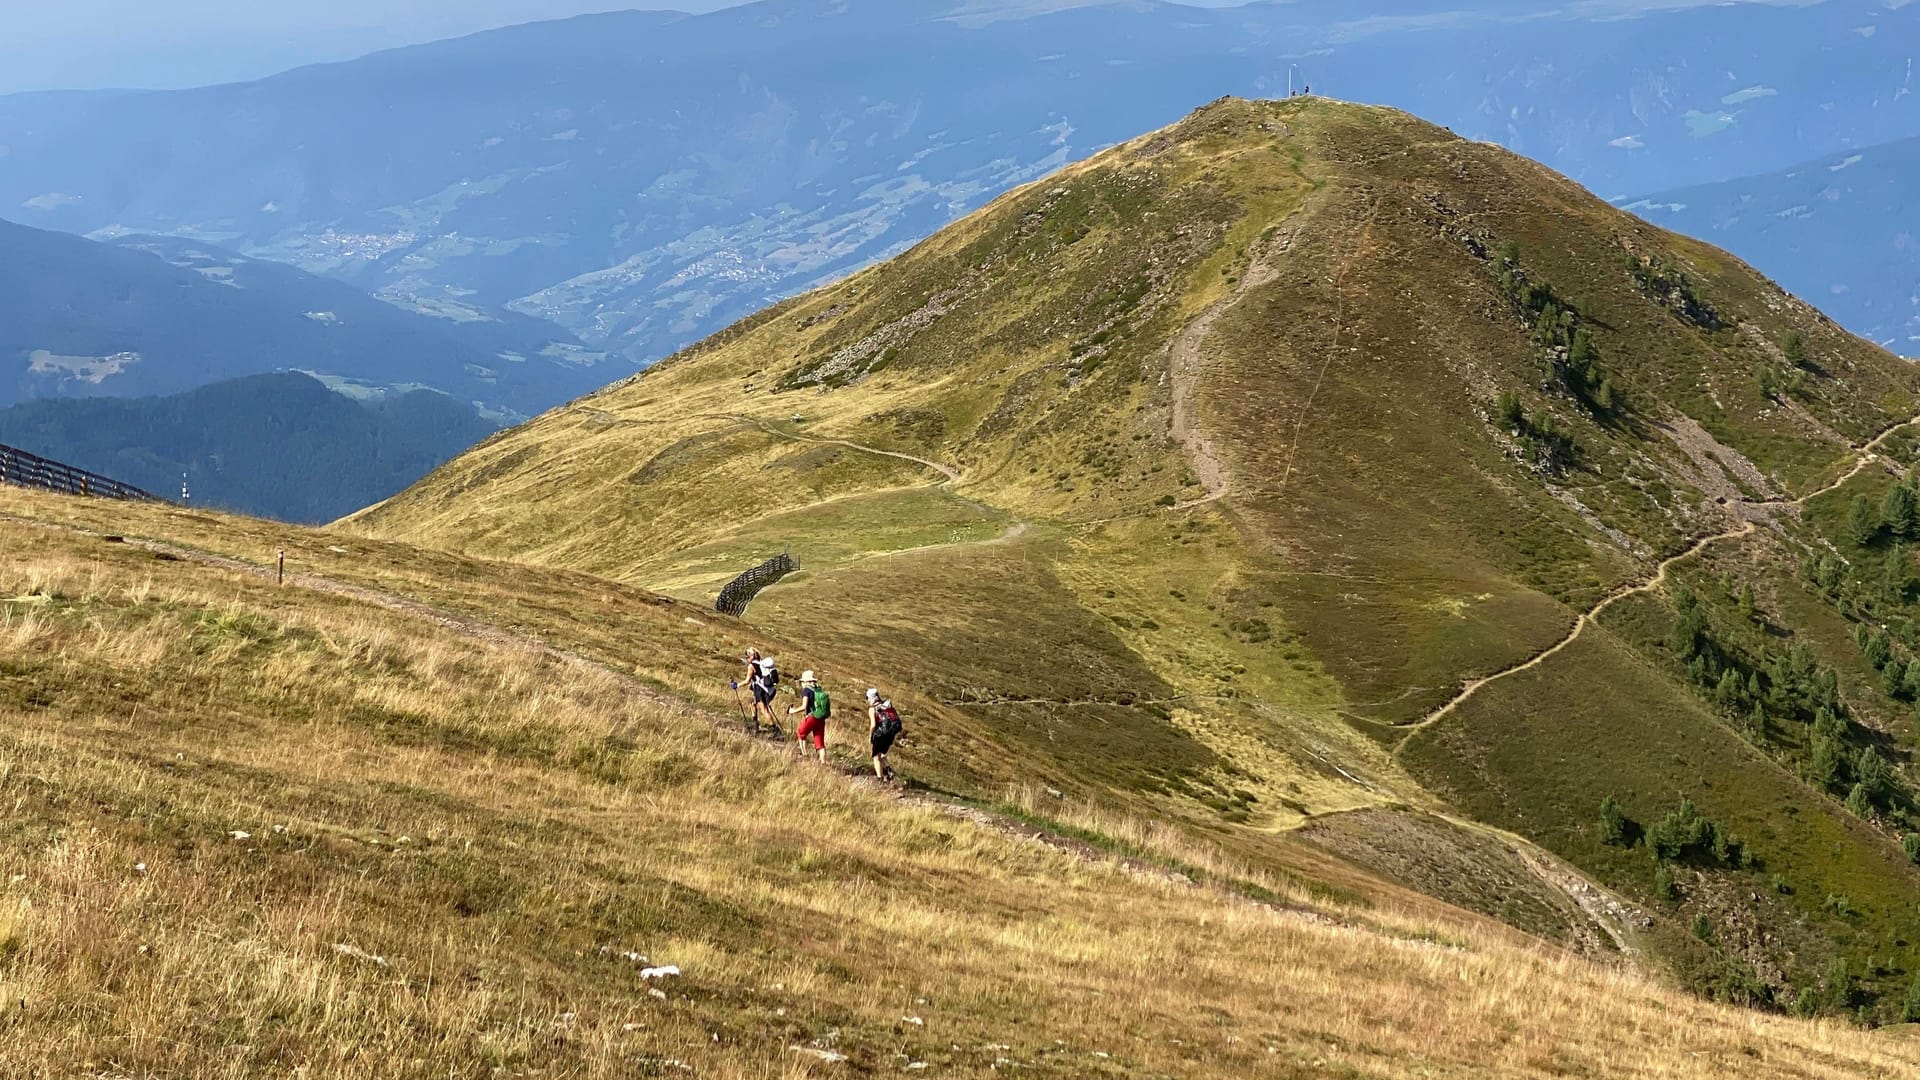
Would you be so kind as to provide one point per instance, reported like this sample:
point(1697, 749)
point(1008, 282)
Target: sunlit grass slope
point(325, 829)
point(1205, 477)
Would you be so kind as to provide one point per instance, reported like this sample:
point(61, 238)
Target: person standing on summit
point(818, 709)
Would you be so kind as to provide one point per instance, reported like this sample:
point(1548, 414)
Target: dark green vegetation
point(1304, 460)
point(280, 446)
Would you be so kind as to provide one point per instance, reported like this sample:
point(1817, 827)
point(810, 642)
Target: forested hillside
point(280, 446)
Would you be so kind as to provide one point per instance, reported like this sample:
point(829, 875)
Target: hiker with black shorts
point(883, 727)
point(818, 707)
point(763, 682)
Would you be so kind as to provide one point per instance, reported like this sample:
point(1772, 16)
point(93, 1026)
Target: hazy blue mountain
point(180, 43)
point(644, 178)
point(85, 319)
point(1842, 231)
point(282, 446)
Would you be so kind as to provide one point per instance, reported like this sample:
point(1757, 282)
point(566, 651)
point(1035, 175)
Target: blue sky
point(86, 44)
point(69, 44)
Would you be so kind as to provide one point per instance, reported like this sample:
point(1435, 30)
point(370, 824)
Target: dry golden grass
point(255, 831)
point(1231, 386)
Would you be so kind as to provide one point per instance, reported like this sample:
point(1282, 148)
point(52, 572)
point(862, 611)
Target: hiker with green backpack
point(817, 706)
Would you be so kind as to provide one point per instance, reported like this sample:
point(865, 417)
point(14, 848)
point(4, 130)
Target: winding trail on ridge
point(951, 477)
point(952, 474)
point(1184, 364)
point(1865, 456)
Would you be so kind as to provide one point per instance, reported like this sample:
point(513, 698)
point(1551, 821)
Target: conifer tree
point(1875, 775)
point(1614, 825)
point(1689, 634)
point(1862, 524)
point(1858, 804)
point(1510, 413)
point(1879, 649)
point(1727, 693)
point(1829, 764)
point(1796, 349)
point(1899, 512)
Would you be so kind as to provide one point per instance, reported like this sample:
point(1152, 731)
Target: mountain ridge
point(706, 170)
point(1290, 453)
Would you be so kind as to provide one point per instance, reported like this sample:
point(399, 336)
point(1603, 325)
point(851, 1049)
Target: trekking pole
point(746, 720)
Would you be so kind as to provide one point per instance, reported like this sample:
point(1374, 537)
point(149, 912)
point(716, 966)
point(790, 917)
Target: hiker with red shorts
point(818, 709)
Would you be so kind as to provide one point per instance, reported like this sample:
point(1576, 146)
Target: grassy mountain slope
point(1304, 460)
point(281, 446)
point(414, 813)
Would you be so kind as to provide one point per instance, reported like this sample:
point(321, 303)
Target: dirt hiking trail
point(1864, 457)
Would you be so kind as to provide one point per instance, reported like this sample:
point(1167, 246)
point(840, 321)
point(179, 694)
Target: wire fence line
point(31, 470)
point(741, 590)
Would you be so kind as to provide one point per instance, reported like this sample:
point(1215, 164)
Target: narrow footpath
point(1865, 456)
point(725, 724)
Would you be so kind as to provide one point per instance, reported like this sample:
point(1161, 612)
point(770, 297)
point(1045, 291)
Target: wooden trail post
point(280, 575)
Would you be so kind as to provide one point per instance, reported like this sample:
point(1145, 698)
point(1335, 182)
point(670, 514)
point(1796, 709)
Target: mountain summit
point(1310, 477)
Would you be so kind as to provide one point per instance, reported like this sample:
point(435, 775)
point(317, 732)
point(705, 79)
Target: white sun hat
point(807, 677)
point(872, 694)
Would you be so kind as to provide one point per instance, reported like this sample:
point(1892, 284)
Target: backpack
point(889, 718)
point(769, 674)
point(822, 704)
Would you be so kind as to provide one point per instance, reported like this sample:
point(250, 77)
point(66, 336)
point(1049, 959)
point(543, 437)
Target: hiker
point(883, 727)
point(763, 682)
point(818, 707)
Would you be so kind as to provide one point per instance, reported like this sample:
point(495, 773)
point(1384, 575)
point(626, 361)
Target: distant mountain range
point(1842, 231)
point(150, 316)
point(246, 351)
point(281, 446)
point(642, 179)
